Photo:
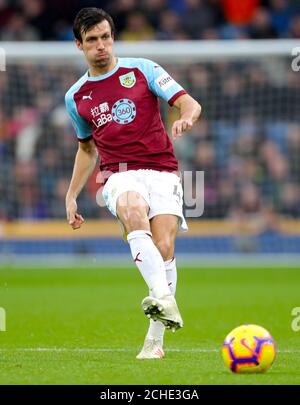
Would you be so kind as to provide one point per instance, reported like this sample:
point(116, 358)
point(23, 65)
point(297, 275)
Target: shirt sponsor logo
point(123, 111)
point(102, 120)
point(99, 109)
point(165, 81)
point(128, 80)
point(100, 116)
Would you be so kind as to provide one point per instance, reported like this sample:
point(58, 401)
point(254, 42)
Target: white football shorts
point(161, 190)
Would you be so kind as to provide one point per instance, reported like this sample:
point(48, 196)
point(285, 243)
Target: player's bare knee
point(135, 219)
point(165, 247)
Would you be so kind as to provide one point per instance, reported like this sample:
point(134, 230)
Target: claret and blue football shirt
point(120, 111)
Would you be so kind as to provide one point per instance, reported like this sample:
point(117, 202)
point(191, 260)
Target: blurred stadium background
point(239, 262)
point(234, 57)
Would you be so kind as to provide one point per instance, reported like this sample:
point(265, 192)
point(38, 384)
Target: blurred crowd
point(29, 20)
point(247, 141)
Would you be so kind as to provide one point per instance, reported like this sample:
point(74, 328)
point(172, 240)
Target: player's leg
point(132, 210)
point(165, 202)
point(165, 212)
point(128, 199)
point(127, 196)
point(164, 230)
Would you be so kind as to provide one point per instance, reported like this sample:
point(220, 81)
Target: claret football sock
point(149, 262)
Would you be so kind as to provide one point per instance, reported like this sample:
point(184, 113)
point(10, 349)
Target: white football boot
point(165, 310)
point(152, 349)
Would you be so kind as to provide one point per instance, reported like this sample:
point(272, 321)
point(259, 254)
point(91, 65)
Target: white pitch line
point(112, 350)
point(90, 350)
point(95, 350)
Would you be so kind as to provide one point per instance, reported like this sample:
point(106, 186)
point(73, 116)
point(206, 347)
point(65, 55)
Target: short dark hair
point(87, 18)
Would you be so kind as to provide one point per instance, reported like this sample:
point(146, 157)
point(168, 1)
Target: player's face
point(97, 46)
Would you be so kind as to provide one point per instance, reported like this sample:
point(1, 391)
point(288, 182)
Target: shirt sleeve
point(82, 127)
point(160, 82)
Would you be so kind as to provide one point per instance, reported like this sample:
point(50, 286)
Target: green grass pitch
point(85, 326)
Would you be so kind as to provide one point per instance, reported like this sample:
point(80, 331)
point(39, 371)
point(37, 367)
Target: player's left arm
point(164, 86)
point(190, 111)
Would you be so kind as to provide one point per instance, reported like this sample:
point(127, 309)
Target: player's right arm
point(85, 161)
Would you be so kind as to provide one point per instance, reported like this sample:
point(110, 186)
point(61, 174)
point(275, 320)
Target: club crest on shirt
point(128, 80)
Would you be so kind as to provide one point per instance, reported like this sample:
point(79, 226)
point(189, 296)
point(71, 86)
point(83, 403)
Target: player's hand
point(181, 126)
point(74, 219)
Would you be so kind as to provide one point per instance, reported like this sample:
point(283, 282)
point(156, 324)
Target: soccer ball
point(248, 349)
